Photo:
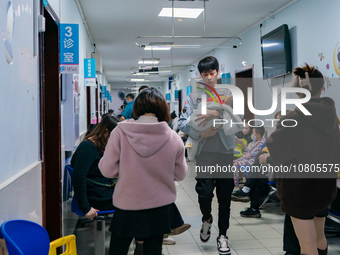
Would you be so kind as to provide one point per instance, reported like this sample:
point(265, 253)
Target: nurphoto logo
point(238, 104)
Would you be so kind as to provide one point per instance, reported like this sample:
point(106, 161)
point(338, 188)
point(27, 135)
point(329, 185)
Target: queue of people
point(132, 165)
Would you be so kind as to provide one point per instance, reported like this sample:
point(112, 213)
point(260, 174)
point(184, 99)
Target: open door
point(88, 106)
point(244, 80)
point(50, 132)
point(179, 101)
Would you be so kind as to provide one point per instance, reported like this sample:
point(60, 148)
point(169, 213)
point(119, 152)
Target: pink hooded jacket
point(147, 158)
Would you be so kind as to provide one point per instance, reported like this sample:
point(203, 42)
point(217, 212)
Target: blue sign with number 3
point(69, 48)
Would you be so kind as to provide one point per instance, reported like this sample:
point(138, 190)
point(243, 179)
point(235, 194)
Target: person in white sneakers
point(213, 147)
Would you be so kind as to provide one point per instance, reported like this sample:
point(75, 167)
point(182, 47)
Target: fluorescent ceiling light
point(190, 13)
point(137, 80)
point(141, 73)
point(157, 48)
point(148, 62)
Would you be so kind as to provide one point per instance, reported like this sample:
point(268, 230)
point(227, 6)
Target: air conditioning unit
point(99, 62)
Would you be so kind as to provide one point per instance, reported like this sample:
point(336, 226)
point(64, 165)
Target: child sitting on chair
point(248, 158)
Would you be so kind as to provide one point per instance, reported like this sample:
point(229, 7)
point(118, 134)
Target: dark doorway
point(179, 101)
point(88, 106)
point(244, 80)
point(96, 102)
point(50, 134)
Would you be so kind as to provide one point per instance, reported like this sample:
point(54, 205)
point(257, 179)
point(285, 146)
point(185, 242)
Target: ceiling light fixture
point(188, 13)
point(140, 73)
point(149, 61)
point(187, 41)
point(157, 48)
point(136, 80)
point(149, 79)
point(160, 69)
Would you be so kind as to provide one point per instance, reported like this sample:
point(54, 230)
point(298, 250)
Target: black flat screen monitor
point(276, 53)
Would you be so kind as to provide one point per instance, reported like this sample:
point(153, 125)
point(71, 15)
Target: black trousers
point(258, 184)
point(120, 245)
point(290, 240)
point(259, 190)
point(224, 187)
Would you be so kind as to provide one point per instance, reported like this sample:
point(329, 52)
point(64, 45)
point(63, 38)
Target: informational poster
point(69, 48)
point(90, 71)
point(189, 89)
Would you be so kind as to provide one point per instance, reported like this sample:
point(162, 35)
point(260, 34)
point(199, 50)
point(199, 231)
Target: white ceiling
point(114, 25)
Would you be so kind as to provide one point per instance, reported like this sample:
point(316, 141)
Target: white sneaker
point(223, 245)
point(205, 230)
point(169, 241)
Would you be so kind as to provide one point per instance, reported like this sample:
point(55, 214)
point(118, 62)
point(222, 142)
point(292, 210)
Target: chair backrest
point(74, 205)
point(24, 237)
point(264, 145)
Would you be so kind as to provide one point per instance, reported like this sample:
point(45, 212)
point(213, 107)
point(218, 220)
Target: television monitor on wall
point(276, 53)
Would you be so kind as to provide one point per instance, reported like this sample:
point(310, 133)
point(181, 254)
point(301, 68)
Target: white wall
point(19, 102)
point(116, 101)
point(313, 30)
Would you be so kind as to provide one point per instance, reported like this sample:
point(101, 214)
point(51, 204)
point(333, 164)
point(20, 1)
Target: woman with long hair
point(148, 157)
point(306, 199)
point(92, 189)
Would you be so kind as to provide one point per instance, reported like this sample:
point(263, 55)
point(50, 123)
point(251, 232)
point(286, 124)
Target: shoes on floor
point(242, 180)
point(223, 245)
point(323, 252)
point(169, 241)
point(250, 213)
point(205, 230)
point(240, 196)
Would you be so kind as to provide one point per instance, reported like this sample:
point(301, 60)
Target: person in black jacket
point(306, 199)
point(93, 191)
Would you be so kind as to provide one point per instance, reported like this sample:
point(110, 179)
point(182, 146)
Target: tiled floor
point(247, 236)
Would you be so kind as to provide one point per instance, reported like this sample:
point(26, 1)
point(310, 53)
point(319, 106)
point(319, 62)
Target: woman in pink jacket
point(148, 156)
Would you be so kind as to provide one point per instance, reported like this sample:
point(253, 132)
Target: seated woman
point(93, 190)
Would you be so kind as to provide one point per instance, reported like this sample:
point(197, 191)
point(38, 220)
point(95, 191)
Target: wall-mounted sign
point(226, 78)
point(90, 71)
point(176, 94)
point(189, 89)
point(170, 81)
point(168, 96)
point(69, 48)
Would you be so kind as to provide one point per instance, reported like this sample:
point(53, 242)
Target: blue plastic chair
point(25, 238)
